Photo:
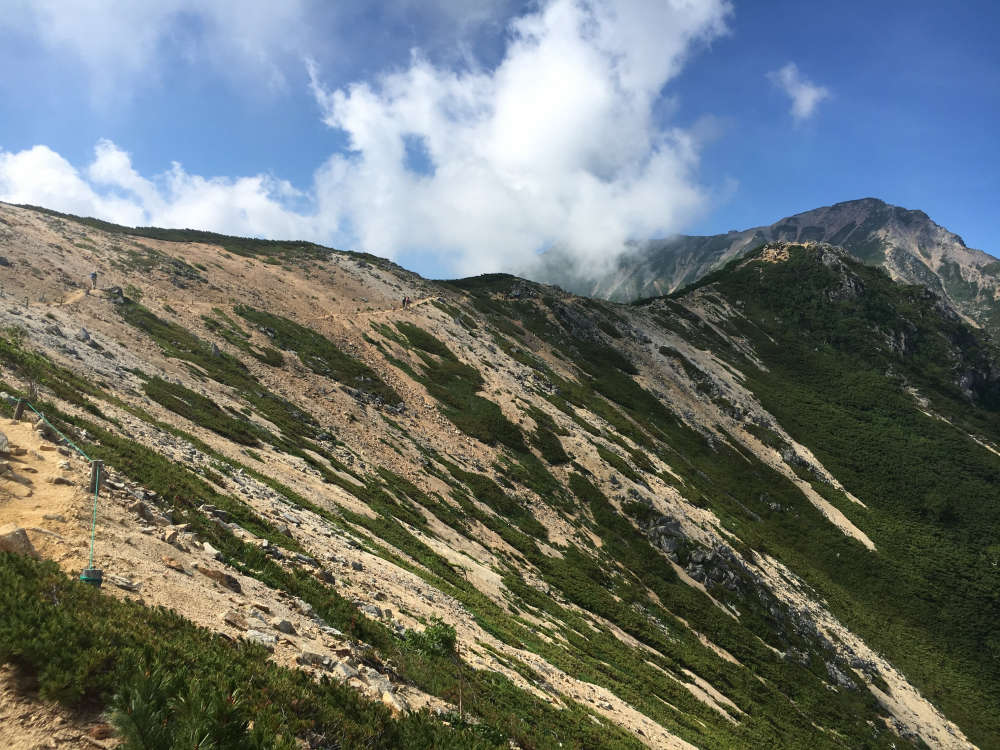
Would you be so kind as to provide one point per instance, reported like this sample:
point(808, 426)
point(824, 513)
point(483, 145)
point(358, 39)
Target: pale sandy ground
point(340, 301)
point(27, 723)
point(903, 701)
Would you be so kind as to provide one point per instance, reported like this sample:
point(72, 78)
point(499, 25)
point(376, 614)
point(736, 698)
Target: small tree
point(440, 639)
point(993, 554)
point(938, 507)
point(134, 293)
point(27, 364)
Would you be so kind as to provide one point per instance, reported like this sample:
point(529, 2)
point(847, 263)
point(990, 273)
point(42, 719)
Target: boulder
point(326, 576)
point(839, 678)
point(122, 582)
point(697, 573)
point(15, 539)
point(862, 664)
point(283, 626)
point(4, 444)
point(672, 529)
point(42, 428)
point(395, 702)
point(236, 620)
point(372, 610)
point(357, 566)
point(174, 565)
point(381, 684)
point(220, 577)
point(100, 731)
point(142, 510)
point(344, 671)
point(314, 659)
point(668, 545)
point(267, 640)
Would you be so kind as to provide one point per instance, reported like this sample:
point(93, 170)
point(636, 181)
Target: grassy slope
point(929, 599)
point(615, 581)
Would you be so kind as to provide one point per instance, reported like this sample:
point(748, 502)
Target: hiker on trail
point(93, 279)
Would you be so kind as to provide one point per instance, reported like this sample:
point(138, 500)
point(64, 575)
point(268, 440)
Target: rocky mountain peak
point(911, 247)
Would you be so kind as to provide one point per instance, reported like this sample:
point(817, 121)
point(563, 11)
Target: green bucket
point(93, 576)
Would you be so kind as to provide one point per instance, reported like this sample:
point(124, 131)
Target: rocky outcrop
point(15, 539)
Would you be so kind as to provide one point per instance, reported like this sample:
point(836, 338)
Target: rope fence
point(90, 574)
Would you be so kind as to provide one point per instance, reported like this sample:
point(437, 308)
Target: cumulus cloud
point(482, 168)
point(115, 47)
point(805, 95)
point(557, 144)
point(110, 188)
point(121, 43)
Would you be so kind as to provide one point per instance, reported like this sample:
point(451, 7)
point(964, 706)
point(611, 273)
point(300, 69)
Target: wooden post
point(19, 410)
point(96, 474)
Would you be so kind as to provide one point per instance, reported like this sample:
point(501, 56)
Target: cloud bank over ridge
point(481, 168)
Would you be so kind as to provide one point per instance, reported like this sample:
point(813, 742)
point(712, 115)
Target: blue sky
point(458, 141)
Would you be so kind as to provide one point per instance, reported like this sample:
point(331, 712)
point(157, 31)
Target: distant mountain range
point(907, 244)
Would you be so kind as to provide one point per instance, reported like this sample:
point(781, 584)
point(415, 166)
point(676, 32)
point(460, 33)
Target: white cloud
point(557, 144)
point(111, 189)
point(805, 95)
point(122, 44)
point(116, 47)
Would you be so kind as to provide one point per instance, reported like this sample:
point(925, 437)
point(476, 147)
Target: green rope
point(57, 431)
point(97, 479)
point(93, 528)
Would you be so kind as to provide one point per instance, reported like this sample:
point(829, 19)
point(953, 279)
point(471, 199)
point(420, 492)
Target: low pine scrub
point(170, 684)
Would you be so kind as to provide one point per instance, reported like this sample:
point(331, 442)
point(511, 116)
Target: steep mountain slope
point(757, 515)
point(910, 246)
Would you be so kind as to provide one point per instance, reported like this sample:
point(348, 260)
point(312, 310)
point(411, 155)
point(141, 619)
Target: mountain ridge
point(907, 243)
point(659, 524)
